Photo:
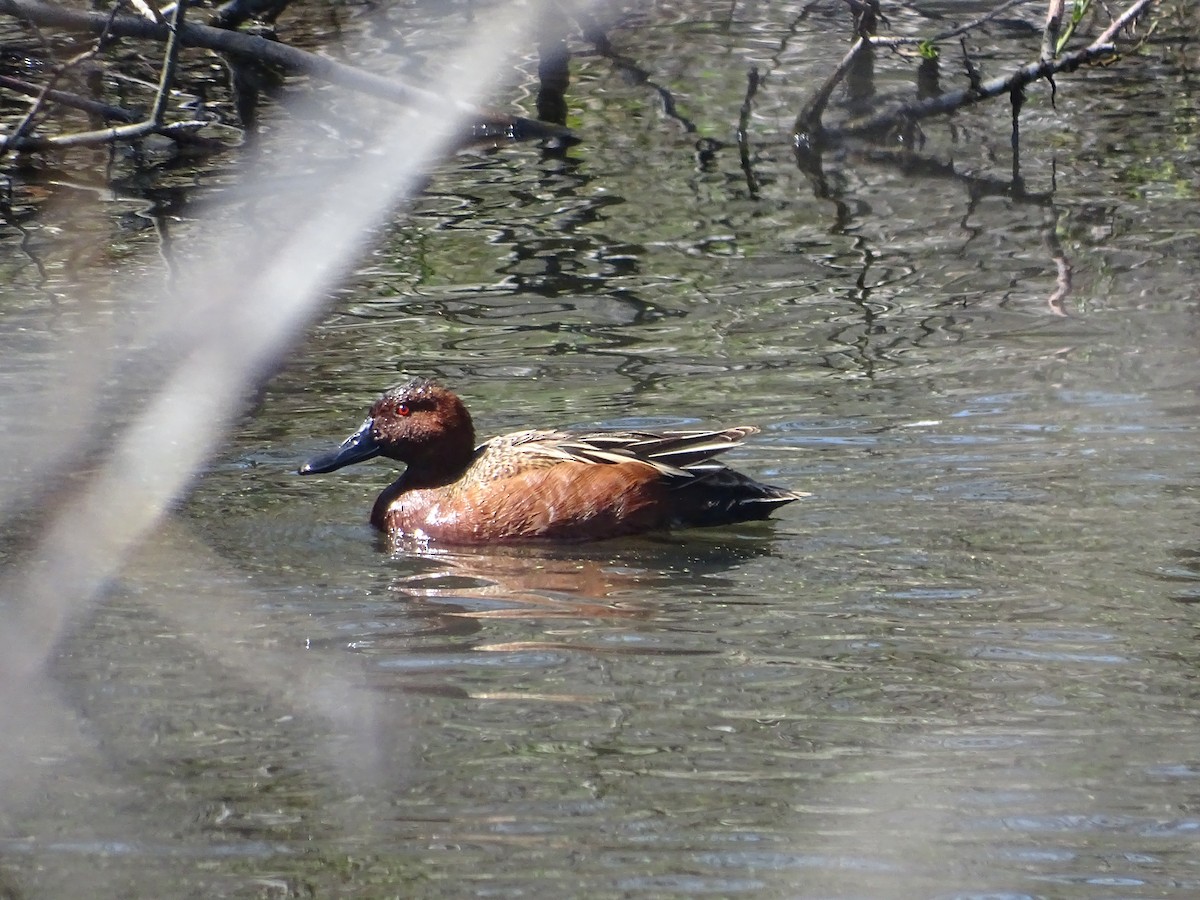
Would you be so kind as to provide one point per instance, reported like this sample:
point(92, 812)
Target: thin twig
point(170, 61)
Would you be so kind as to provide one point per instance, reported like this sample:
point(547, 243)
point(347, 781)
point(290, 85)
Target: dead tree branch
point(154, 123)
point(908, 113)
point(290, 59)
point(35, 108)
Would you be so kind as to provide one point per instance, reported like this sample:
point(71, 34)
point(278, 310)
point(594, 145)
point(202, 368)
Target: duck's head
point(419, 423)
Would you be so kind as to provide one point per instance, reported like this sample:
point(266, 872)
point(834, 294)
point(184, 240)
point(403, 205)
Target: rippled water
point(965, 667)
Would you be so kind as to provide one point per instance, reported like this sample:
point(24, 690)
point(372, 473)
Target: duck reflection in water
point(630, 596)
point(548, 486)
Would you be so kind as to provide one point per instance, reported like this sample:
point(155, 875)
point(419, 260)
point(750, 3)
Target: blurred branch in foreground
point(107, 426)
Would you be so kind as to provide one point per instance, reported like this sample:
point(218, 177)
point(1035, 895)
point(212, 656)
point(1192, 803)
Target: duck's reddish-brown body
point(542, 485)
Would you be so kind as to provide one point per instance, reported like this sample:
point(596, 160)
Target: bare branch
point(154, 123)
point(22, 127)
point(290, 59)
point(170, 60)
point(1102, 47)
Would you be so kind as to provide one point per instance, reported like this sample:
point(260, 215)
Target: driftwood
point(481, 124)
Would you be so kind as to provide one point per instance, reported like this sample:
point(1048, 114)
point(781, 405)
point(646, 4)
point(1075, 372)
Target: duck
point(542, 485)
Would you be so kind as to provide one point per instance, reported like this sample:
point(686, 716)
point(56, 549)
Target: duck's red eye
point(402, 409)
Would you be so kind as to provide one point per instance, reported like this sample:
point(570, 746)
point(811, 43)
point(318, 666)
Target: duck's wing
point(676, 454)
point(677, 450)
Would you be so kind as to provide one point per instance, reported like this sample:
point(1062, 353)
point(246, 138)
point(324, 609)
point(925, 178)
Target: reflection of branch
point(1062, 281)
point(594, 34)
point(1062, 286)
point(743, 131)
point(292, 60)
point(977, 187)
point(952, 100)
point(10, 218)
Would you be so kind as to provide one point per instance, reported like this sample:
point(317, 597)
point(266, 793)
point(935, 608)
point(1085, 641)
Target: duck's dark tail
point(722, 495)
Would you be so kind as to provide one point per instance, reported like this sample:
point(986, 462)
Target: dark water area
point(965, 667)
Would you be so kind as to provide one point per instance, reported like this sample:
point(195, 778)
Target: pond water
point(965, 667)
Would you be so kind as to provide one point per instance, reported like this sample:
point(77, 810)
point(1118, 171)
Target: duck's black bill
point(356, 448)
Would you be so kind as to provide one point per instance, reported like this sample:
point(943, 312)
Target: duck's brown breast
point(568, 501)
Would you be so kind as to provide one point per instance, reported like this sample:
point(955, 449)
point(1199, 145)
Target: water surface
point(964, 667)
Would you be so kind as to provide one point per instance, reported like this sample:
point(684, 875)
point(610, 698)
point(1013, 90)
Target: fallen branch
point(17, 138)
point(908, 113)
point(155, 123)
point(291, 60)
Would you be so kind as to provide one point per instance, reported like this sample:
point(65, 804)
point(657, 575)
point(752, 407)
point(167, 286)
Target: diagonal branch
point(808, 123)
point(170, 62)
